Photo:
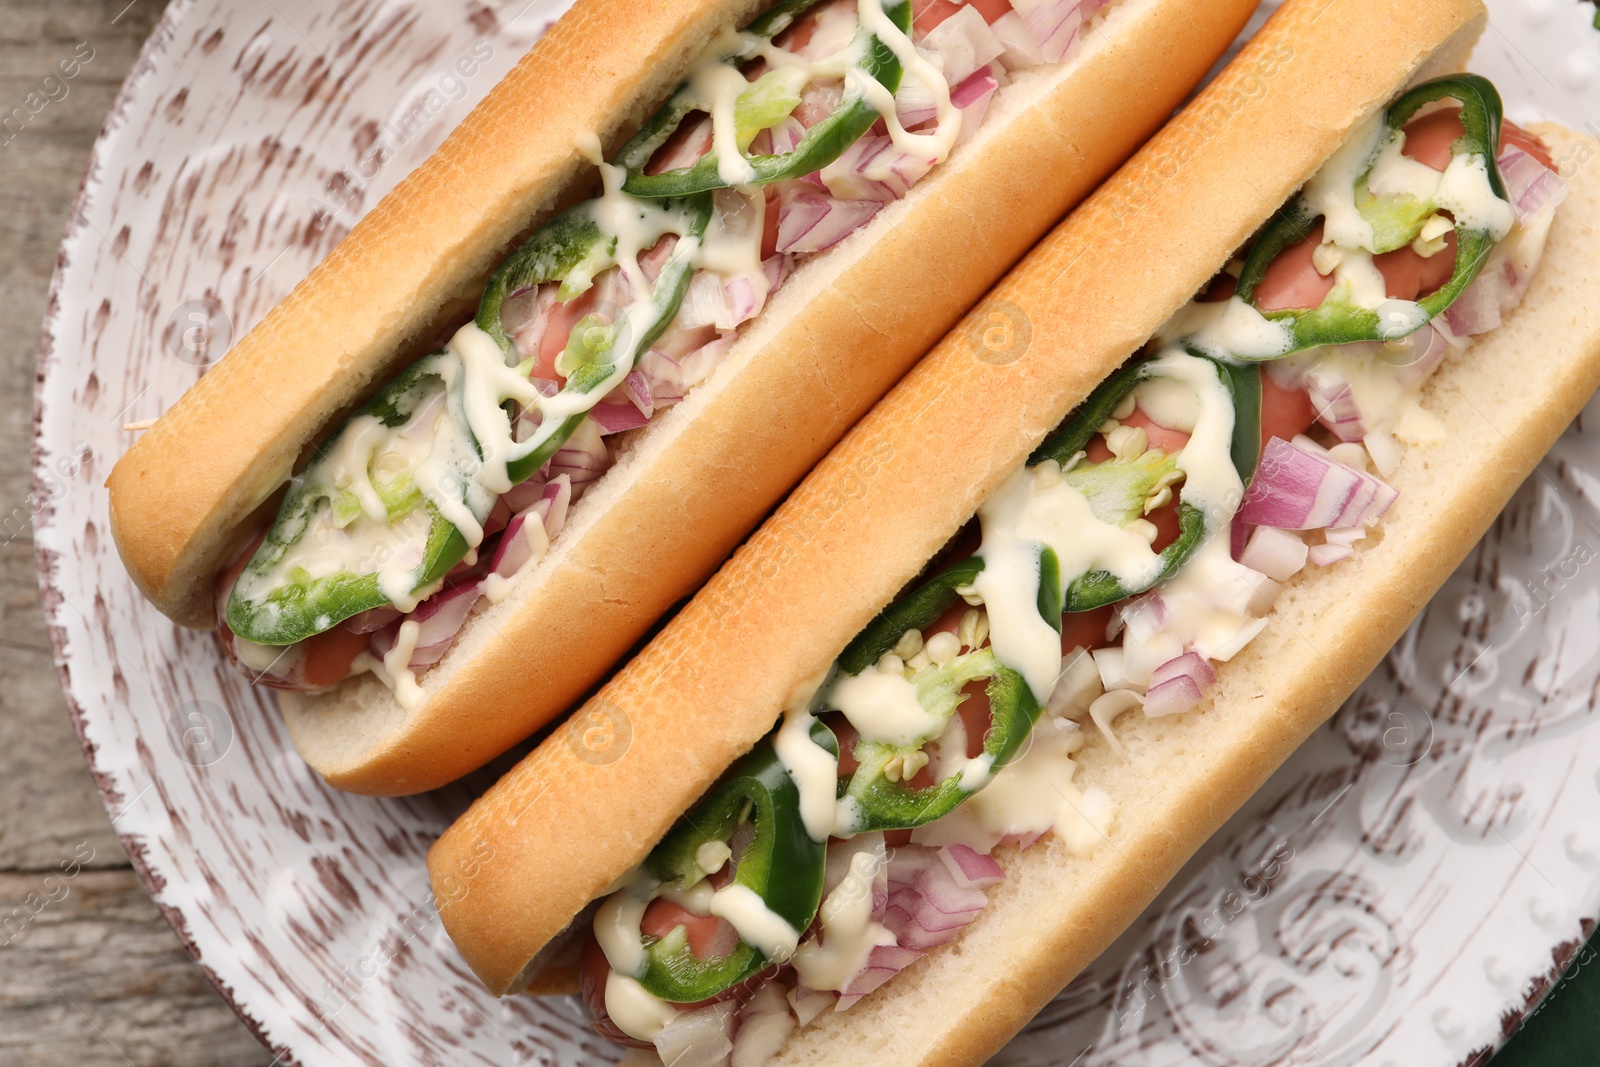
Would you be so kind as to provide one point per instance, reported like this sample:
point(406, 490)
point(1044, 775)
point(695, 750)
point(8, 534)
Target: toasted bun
point(183, 494)
point(571, 818)
point(838, 334)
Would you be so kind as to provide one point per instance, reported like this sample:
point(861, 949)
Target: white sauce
point(1231, 327)
point(1331, 191)
point(1022, 515)
point(1465, 192)
point(1031, 795)
point(616, 927)
point(883, 707)
point(397, 667)
point(720, 86)
point(849, 933)
point(933, 147)
point(758, 925)
point(636, 1011)
point(814, 769)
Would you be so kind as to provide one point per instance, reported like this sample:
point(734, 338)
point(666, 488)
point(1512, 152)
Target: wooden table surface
point(97, 975)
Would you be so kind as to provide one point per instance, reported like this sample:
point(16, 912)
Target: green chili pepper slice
point(821, 144)
point(919, 608)
point(278, 600)
point(782, 865)
point(573, 249)
point(1397, 221)
point(884, 804)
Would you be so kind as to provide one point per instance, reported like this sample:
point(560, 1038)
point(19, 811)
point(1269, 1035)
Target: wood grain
point(96, 976)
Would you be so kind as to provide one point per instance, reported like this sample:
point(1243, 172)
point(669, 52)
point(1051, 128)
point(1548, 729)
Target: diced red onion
point(970, 868)
point(1278, 554)
point(817, 101)
point(906, 863)
point(778, 140)
point(1334, 401)
point(933, 909)
point(965, 42)
point(871, 169)
point(1530, 185)
point(617, 418)
point(513, 552)
point(1053, 23)
point(439, 618)
point(1238, 537)
point(1143, 616)
point(1021, 50)
point(553, 507)
point(1325, 555)
point(662, 377)
point(811, 222)
point(978, 86)
point(764, 1023)
point(584, 456)
point(915, 103)
point(637, 391)
point(776, 269)
point(744, 299)
point(884, 963)
point(1298, 489)
point(973, 96)
point(705, 303)
point(1178, 685)
point(1346, 535)
point(371, 621)
point(1478, 308)
point(524, 495)
point(1024, 841)
point(809, 1003)
point(678, 342)
point(1112, 664)
point(919, 925)
point(1416, 356)
point(699, 1038)
point(698, 365)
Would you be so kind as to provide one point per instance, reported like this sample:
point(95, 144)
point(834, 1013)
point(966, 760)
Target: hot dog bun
point(566, 824)
point(1184, 776)
point(834, 339)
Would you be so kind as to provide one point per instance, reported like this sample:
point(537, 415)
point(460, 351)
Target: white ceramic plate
point(1398, 893)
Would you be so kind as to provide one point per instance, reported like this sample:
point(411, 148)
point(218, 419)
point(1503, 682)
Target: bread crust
point(839, 334)
point(910, 474)
point(418, 261)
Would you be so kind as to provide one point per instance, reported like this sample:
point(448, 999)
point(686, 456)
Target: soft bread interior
point(870, 516)
point(836, 335)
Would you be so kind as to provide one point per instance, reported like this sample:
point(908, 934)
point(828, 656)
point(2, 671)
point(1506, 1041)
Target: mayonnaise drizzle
point(849, 933)
point(636, 1011)
point(1023, 515)
point(884, 707)
point(757, 924)
point(721, 84)
point(814, 769)
point(933, 147)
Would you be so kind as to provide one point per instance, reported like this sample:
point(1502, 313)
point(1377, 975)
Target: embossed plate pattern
point(1396, 894)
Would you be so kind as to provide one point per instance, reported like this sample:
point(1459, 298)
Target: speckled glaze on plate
point(1400, 893)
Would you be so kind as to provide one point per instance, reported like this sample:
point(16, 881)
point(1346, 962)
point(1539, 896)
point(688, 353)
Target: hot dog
point(1204, 509)
point(626, 356)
